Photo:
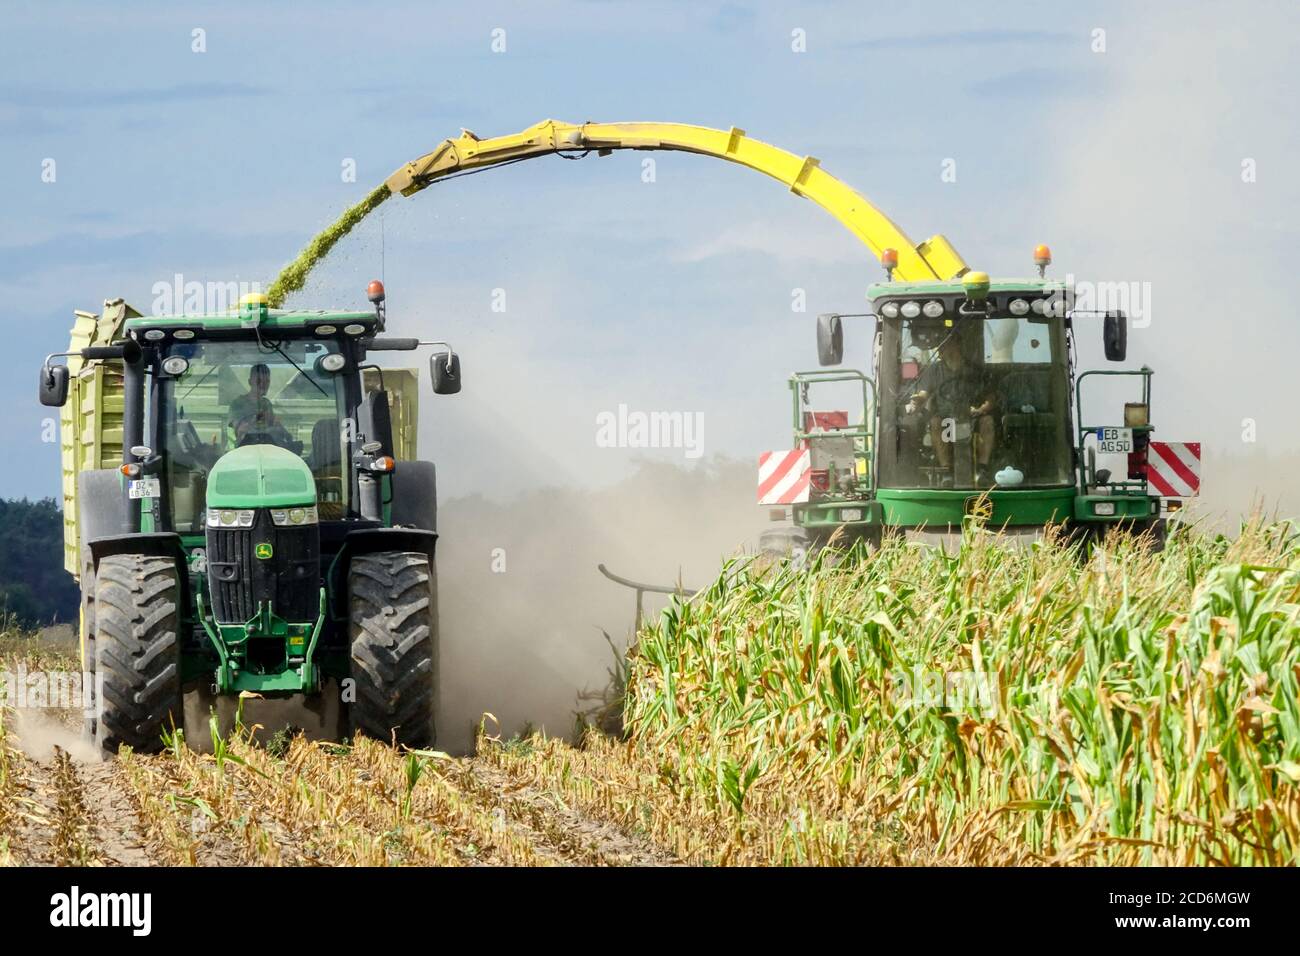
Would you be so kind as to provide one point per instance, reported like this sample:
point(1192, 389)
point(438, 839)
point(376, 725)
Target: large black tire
point(393, 614)
point(1158, 529)
point(137, 651)
point(786, 542)
point(1092, 535)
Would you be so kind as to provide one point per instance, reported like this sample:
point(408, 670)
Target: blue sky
point(673, 295)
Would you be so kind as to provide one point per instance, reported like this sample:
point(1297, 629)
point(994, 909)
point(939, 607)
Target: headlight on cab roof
point(289, 517)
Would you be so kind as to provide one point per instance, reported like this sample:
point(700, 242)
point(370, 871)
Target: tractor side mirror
point(1114, 334)
point(54, 386)
point(830, 339)
point(444, 370)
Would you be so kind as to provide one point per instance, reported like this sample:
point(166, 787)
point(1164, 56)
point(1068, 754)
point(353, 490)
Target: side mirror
point(1114, 336)
point(830, 339)
point(54, 386)
point(444, 369)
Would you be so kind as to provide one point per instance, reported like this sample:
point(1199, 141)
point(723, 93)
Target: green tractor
point(244, 515)
point(974, 409)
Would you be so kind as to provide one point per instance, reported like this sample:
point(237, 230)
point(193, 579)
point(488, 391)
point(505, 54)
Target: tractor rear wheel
point(137, 651)
point(394, 636)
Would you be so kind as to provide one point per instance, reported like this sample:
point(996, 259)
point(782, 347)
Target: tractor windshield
point(243, 393)
point(972, 403)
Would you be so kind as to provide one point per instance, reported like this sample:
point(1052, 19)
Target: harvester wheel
point(1158, 528)
point(780, 543)
point(394, 635)
point(137, 651)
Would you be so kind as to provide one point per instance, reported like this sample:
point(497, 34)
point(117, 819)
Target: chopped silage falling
point(294, 276)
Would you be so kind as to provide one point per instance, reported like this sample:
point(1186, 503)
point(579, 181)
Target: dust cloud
point(522, 604)
point(40, 731)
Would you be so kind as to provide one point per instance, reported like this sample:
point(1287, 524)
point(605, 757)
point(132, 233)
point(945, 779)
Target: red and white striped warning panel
point(783, 477)
point(1174, 468)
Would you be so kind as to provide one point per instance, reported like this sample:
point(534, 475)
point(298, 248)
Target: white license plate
point(145, 488)
point(850, 514)
point(1114, 441)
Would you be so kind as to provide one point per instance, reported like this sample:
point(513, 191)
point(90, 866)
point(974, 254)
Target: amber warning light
point(889, 259)
point(1042, 258)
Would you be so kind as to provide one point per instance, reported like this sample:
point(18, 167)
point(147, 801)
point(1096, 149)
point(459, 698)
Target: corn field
point(976, 706)
point(982, 706)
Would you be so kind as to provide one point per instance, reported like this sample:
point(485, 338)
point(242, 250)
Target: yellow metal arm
point(933, 259)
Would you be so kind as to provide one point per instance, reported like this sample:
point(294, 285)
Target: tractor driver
point(252, 414)
point(952, 384)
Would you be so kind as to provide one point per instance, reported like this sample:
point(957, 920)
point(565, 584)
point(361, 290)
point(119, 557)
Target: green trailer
point(245, 513)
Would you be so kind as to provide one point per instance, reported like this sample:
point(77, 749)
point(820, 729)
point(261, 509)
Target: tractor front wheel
point(394, 636)
point(137, 651)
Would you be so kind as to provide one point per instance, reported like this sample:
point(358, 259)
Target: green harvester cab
point(973, 411)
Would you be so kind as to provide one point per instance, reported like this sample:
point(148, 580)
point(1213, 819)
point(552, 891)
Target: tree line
point(35, 590)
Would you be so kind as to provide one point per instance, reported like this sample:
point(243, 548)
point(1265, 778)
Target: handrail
point(866, 431)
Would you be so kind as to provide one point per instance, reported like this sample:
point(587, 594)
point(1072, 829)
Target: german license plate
point(145, 488)
point(1114, 441)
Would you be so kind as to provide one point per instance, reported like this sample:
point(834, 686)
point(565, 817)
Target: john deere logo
point(979, 507)
point(264, 550)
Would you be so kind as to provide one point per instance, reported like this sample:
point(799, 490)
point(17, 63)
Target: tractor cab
point(217, 396)
point(208, 395)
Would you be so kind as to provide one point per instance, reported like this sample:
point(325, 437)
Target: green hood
point(260, 476)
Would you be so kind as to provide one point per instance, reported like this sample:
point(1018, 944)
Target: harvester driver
point(951, 385)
